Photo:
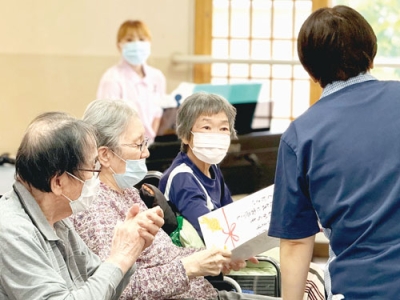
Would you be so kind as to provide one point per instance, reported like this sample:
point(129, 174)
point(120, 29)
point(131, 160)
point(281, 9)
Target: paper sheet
point(241, 226)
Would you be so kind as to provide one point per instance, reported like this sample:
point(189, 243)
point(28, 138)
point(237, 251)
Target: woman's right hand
point(206, 262)
point(150, 221)
point(133, 235)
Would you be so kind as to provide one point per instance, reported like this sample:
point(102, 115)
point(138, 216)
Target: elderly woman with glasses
point(42, 257)
point(164, 271)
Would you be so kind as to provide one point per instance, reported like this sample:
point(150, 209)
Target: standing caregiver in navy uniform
point(339, 164)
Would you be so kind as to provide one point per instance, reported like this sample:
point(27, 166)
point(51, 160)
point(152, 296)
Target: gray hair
point(198, 104)
point(54, 143)
point(110, 118)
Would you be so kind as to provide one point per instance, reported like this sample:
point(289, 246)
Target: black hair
point(336, 44)
point(54, 143)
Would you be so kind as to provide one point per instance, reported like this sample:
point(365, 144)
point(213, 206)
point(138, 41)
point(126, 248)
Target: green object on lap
point(175, 235)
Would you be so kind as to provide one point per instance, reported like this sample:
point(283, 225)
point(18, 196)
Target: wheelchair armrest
point(277, 267)
point(224, 283)
point(233, 283)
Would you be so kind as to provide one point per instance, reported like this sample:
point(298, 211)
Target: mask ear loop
point(115, 173)
point(191, 140)
point(118, 156)
point(66, 197)
point(112, 170)
point(73, 176)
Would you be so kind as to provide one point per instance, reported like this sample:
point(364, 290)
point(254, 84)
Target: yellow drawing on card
point(211, 223)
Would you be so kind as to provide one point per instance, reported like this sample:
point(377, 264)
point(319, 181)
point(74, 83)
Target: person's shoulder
point(11, 208)
point(154, 72)
point(181, 164)
point(177, 173)
point(175, 162)
point(112, 72)
point(372, 84)
point(182, 168)
point(393, 84)
point(14, 221)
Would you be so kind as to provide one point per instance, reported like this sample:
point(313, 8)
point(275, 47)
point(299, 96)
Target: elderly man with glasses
point(42, 257)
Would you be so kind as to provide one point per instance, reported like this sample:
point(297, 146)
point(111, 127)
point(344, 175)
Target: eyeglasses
point(96, 171)
point(141, 146)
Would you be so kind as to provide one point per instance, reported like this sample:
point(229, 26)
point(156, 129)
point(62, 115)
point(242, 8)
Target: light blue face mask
point(135, 170)
point(136, 53)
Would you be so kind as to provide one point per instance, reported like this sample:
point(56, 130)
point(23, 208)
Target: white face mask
point(136, 53)
point(89, 191)
point(210, 148)
point(135, 170)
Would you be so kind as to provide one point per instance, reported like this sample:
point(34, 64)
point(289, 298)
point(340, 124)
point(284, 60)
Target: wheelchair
point(263, 278)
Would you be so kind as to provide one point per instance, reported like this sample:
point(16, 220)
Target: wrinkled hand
point(150, 222)
point(233, 265)
point(254, 260)
point(127, 244)
point(133, 235)
point(237, 265)
point(206, 262)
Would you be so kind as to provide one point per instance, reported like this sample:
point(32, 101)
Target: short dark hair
point(54, 143)
point(336, 44)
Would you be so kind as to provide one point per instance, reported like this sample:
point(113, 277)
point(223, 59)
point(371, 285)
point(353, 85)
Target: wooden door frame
point(203, 39)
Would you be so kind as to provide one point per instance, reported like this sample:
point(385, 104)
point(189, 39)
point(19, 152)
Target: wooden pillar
point(203, 39)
